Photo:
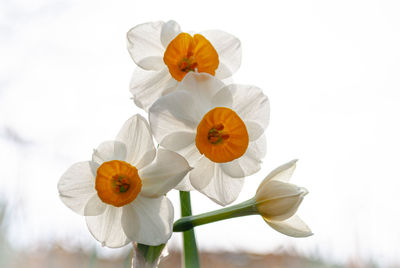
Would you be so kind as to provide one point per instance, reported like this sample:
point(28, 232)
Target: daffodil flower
point(121, 191)
point(276, 200)
point(219, 129)
point(164, 55)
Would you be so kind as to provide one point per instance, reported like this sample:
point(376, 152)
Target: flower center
point(117, 183)
point(188, 64)
point(222, 135)
point(120, 183)
point(188, 54)
point(217, 134)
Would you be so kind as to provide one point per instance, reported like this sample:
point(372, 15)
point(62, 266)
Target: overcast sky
point(330, 69)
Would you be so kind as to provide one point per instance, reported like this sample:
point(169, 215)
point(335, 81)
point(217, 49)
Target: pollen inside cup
point(188, 54)
point(117, 183)
point(222, 135)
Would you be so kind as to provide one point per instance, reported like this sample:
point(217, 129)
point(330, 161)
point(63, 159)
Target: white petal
point(241, 167)
point(293, 226)
point(191, 153)
point(169, 31)
point(202, 87)
point(135, 133)
point(163, 174)
point(233, 169)
point(185, 185)
point(251, 160)
point(76, 186)
point(223, 98)
point(107, 229)
point(282, 173)
point(280, 209)
point(228, 81)
point(254, 130)
point(222, 188)
point(173, 113)
point(153, 63)
point(109, 150)
point(178, 140)
point(93, 168)
point(257, 149)
point(249, 163)
point(147, 158)
point(180, 105)
point(202, 173)
point(223, 72)
point(229, 51)
point(250, 104)
point(144, 45)
point(147, 86)
point(277, 189)
point(148, 220)
point(95, 206)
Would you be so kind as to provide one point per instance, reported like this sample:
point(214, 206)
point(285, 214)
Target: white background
point(330, 69)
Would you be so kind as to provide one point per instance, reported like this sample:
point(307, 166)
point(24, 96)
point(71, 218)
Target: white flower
point(164, 55)
point(121, 191)
point(277, 202)
point(218, 129)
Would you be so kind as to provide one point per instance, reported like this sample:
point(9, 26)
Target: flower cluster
point(210, 133)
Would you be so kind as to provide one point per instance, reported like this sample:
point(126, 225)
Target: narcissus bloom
point(219, 129)
point(165, 55)
point(277, 202)
point(121, 191)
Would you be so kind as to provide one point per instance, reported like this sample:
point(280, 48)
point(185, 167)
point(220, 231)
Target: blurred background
point(330, 69)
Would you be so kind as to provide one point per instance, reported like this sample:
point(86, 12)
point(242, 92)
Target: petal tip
point(304, 191)
point(293, 162)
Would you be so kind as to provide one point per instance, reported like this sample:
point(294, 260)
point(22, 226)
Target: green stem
point(150, 253)
point(243, 209)
point(190, 253)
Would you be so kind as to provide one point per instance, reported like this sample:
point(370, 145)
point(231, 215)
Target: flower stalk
point(245, 208)
point(190, 252)
point(150, 253)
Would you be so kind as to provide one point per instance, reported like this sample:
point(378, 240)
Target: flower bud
point(277, 202)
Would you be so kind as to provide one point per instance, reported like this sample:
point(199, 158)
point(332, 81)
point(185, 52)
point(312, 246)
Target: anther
point(188, 64)
point(219, 127)
point(216, 134)
point(120, 184)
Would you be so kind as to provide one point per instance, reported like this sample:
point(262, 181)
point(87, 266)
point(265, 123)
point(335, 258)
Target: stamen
point(219, 127)
point(120, 184)
point(216, 135)
point(188, 64)
point(225, 136)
